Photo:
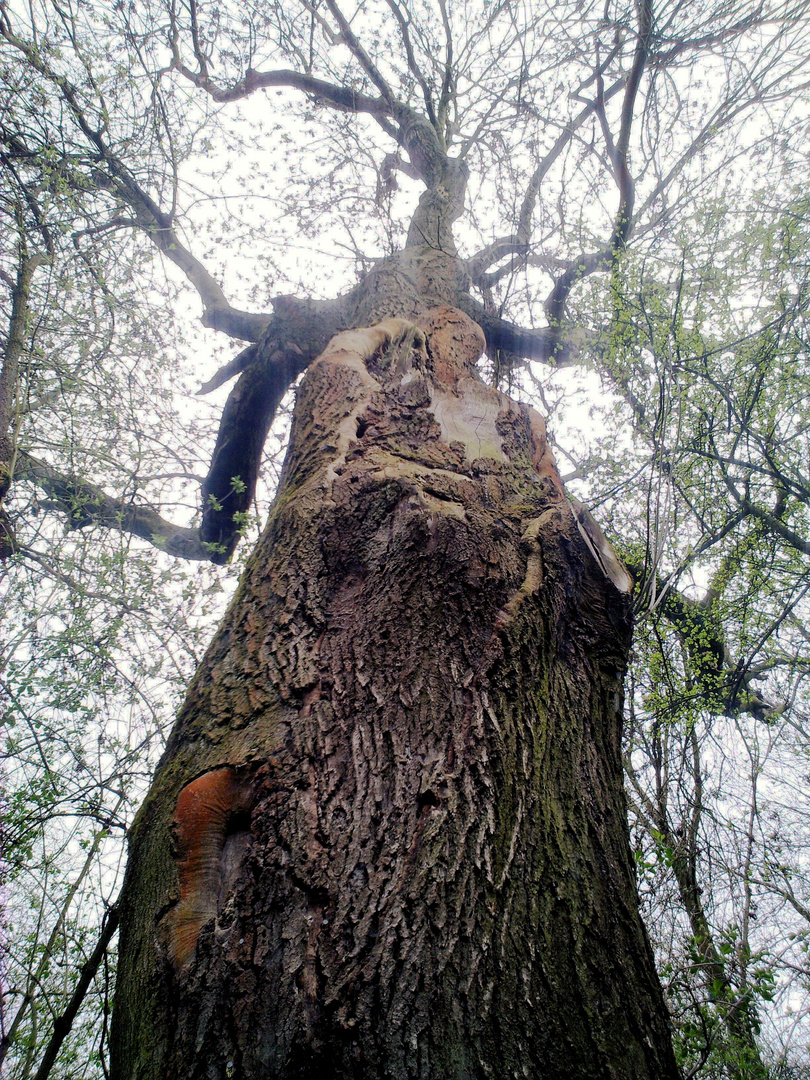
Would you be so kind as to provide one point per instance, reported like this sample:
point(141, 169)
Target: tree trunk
point(387, 837)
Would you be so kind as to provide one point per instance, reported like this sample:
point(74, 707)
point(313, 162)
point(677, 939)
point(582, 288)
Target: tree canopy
point(192, 193)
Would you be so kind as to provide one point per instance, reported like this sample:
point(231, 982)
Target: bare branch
point(412, 65)
point(63, 1024)
point(623, 221)
point(493, 253)
point(229, 370)
point(518, 243)
point(199, 53)
point(9, 1036)
point(85, 504)
point(360, 54)
point(218, 314)
point(543, 167)
point(343, 98)
point(447, 80)
point(151, 219)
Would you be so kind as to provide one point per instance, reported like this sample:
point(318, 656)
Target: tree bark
point(387, 837)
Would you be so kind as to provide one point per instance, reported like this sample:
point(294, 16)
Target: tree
point(717, 711)
point(464, 833)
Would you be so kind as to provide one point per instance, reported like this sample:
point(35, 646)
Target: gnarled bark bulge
point(388, 837)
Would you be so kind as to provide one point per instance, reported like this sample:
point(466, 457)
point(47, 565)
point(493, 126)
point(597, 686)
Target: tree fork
point(414, 708)
point(300, 329)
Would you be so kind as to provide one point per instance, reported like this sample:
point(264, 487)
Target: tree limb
point(543, 167)
point(63, 1024)
point(218, 314)
point(86, 504)
point(10, 385)
point(412, 65)
point(157, 225)
point(15, 342)
point(299, 331)
point(343, 98)
point(447, 79)
point(229, 370)
point(8, 1037)
point(499, 249)
point(623, 221)
point(769, 520)
point(518, 242)
point(360, 54)
point(543, 343)
point(725, 685)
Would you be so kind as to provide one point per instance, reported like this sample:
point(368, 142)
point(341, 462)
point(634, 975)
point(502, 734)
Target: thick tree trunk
point(388, 838)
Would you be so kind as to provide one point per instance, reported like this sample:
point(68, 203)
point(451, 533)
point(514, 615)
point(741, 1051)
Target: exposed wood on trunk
point(409, 282)
point(208, 814)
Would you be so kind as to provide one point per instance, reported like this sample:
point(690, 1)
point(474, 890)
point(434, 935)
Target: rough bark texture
point(387, 838)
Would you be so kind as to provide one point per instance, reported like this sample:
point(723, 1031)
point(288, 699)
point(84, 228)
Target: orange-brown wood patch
point(205, 811)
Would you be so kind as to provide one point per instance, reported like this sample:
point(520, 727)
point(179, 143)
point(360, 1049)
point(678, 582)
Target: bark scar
point(353, 349)
point(601, 548)
point(206, 812)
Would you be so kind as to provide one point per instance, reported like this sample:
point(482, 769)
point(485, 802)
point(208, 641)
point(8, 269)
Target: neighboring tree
point(387, 836)
point(718, 711)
